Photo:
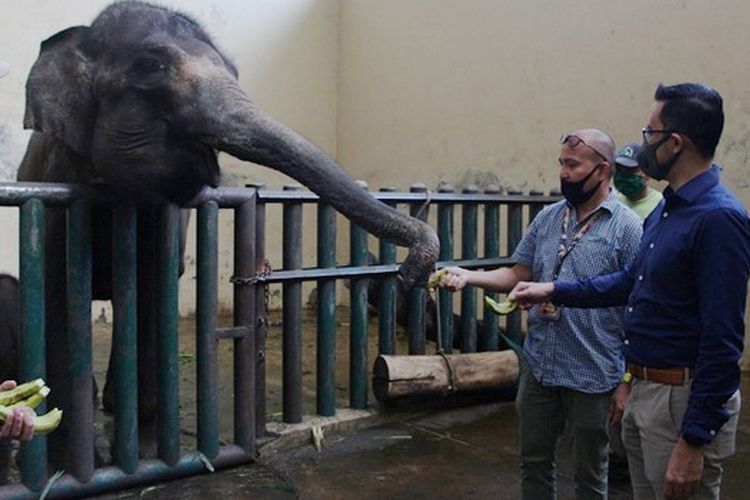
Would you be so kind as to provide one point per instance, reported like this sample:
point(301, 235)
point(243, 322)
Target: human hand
point(526, 293)
point(684, 471)
point(8, 385)
point(454, 278)
point(617, 403)
point(20, 423)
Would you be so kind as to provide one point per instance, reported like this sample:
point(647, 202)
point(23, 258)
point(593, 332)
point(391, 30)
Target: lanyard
point(564, 249)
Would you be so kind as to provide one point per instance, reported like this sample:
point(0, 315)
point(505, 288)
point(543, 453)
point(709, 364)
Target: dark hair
point(695, 110)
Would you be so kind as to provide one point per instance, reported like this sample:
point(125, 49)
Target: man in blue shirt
point(685, 294)
point(573, 358)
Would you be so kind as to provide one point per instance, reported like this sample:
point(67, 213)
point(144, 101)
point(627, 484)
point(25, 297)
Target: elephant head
point(146, 100)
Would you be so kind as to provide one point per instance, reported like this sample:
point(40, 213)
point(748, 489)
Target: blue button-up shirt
point(685, 295)
point(582, 350)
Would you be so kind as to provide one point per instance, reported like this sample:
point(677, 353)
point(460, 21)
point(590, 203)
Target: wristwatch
point(627, 377)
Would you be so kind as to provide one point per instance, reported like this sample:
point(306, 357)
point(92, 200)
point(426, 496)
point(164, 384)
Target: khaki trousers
point(650, 429)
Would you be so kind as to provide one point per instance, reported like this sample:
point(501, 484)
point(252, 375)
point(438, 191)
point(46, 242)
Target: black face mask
point(646, 159)
point(573, 191)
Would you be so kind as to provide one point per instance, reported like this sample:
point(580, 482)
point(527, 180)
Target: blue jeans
point(543, 414)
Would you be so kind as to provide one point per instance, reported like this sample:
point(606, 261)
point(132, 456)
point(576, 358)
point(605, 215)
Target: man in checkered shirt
point(573, 365)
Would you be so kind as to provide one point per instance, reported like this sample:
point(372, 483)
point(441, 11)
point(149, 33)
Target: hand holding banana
point(17, 414)
point(452, 278)
point(527, 293)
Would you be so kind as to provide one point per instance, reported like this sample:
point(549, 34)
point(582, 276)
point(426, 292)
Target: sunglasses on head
point(573, 140)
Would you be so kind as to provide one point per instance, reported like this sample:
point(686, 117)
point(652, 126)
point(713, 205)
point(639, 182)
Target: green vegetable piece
point(501, 308)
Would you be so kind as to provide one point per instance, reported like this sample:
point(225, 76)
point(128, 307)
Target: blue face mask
point(574, 192)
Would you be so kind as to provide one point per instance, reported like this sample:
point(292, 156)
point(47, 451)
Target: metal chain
point(260, 277)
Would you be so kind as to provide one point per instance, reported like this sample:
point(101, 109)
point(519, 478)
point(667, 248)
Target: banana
point(501, 308)
point(43, 424)
point(20, 392)
point(436, 278)
point(34, 400)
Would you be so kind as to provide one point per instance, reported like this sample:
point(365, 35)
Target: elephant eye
point(148, 66)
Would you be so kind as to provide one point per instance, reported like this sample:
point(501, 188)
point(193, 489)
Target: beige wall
point(480, 91)
point(437, 91)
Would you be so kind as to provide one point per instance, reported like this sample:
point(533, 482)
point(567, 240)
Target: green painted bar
point(388, 290)
point(358, 320)
point(535, 208)
point(32, 362)
point(206, 315)
point(515, 232)
point(112, 479)
point(445, 234)
point(326, 345)
point(291, 328)
point(81, 414)
point(250, 239)
point(488, 339)
point(246, 399)
point(469, 227)
point(168, 443)
point(417, 296)
point(125, 336)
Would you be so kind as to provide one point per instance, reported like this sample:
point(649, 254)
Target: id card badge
point(549, 311)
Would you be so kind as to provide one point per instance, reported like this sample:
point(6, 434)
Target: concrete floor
point(428, 453)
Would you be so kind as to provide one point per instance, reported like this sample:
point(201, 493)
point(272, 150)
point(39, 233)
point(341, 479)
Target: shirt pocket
point(593, 255)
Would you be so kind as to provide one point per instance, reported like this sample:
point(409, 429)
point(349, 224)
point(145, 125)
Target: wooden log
point(400, 376)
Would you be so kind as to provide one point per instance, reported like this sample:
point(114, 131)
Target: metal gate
point(501, 215)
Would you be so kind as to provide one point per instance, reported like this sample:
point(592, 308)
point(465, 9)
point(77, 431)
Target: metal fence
point(503, 218)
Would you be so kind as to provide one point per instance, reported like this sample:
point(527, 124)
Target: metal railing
point(503, 218)
point(81, 477)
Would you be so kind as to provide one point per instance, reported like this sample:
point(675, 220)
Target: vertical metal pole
point(326, 346)
point(489, 337)
point(445, 233)
point(81, 416)
point(258, 318)
point(388, 290)
point(168, 341)
point(206, 321)
point(358, 321)
point(246, 399)
point(292, 313)
point(125, 336)
point(515, 229)
point(32, 363)
point(417, 297)
point(469, 294)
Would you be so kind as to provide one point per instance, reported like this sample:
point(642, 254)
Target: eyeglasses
point(648, 132)
point(573, 140)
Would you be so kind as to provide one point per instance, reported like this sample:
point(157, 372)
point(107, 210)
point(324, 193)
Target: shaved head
point(600, 141)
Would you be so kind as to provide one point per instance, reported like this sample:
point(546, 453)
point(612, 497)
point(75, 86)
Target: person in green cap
point(632, 184)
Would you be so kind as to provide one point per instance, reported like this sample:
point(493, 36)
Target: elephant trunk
point(256, 137)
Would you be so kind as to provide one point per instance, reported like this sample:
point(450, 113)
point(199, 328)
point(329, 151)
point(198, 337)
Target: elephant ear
point(59, 95)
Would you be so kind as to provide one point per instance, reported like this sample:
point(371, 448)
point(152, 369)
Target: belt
point(671, 376)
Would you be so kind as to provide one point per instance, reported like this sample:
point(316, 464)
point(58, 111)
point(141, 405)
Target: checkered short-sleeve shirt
point(582, 350)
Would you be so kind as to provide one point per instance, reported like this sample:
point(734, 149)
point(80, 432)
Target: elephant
point(142, 101)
